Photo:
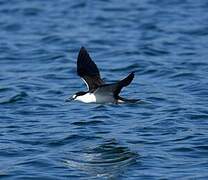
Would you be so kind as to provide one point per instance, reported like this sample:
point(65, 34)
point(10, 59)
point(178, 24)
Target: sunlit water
point(164, 137)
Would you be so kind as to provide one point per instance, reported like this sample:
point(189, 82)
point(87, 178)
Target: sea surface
point(165, 136)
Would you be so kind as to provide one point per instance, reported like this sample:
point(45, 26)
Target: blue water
point(164, 137)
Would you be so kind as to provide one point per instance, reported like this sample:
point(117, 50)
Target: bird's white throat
point(86, 98)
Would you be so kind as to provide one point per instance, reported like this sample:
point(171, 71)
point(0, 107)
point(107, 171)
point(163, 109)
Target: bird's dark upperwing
point(88, 70)
point(115, 88)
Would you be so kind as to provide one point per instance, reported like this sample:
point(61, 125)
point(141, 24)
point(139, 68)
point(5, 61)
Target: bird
point(98, 91)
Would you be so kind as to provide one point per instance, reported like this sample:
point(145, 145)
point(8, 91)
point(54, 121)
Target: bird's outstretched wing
point(115, 88)
point(88, 70)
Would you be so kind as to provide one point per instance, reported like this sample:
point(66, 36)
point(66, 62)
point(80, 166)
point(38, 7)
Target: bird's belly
point(87, 98)
point(92, 98)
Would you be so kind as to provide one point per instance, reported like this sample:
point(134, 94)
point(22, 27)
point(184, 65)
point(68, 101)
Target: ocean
point(163, 137)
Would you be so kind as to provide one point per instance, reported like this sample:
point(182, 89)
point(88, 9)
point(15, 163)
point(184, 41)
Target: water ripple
point(106, 160)
point(16, 98)
point(84, 123)
point(70, 139)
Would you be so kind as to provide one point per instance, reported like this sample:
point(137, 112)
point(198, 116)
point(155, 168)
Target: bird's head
point(76, 95)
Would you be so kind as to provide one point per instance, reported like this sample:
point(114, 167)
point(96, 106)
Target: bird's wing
point(88, 70)
point(115, 88)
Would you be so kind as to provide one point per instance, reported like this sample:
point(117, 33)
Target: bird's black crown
point(81, 93)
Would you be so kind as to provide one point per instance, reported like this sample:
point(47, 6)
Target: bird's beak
point(69, 99)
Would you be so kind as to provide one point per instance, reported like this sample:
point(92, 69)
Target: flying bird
point(98, 91)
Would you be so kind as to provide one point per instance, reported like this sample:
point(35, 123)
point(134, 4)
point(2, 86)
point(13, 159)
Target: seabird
point(98, 91)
